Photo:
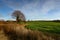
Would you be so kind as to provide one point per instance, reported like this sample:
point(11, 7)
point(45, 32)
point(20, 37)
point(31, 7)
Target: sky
point(32, 9)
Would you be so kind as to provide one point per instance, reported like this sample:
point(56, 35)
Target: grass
point(17, 31)
point(45, 26)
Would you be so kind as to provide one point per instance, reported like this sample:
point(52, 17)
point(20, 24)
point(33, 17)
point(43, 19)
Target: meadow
point(31, 30)
point(45, 26)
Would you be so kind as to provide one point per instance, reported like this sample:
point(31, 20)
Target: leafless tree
point(18, 15)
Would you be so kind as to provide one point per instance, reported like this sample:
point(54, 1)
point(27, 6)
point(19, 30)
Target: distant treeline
point(32, 21)
point(56, 20)
point(46, 20)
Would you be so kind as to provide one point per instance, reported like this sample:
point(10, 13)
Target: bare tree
point(18, 15)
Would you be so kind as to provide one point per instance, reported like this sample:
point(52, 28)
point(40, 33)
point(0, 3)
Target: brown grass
point(14, 31)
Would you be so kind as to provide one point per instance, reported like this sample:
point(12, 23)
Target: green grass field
point(45, 26)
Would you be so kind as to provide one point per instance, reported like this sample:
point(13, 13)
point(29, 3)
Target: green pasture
point(45, 26)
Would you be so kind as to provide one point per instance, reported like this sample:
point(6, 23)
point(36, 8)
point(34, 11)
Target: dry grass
point(14, 31)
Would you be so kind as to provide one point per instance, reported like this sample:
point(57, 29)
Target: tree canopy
point(18, 15)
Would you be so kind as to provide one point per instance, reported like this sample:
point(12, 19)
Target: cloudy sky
point(32, 9)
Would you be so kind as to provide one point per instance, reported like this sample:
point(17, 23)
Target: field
point(45, 26)
point(31, 30)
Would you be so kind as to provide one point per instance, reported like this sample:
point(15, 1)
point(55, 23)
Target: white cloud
point(31, 9)
point(50, 5)
point(47, 6)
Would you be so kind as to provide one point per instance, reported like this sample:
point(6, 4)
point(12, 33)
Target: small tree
point(18, 15)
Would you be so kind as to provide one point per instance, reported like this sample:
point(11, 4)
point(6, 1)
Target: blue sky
point(32, 9)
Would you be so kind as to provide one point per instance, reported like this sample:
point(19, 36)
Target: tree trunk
point(17, 19)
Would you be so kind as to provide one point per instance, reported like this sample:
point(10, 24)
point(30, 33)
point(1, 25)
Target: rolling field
point(45, 26)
